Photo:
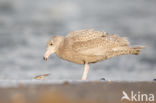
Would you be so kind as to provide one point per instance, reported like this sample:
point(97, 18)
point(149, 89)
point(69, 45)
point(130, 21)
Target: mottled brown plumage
point(89, 46)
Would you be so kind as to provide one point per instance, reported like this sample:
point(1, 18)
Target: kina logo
point(137, 96)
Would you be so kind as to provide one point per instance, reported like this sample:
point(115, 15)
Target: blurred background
point(26, 26)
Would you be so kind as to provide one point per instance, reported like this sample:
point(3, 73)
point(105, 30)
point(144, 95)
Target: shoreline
point(69, 92)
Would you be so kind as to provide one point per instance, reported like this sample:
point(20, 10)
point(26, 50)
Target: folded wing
point(85, 35)
point(97, 45)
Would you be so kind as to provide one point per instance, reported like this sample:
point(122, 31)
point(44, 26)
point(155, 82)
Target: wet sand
point(75, 92)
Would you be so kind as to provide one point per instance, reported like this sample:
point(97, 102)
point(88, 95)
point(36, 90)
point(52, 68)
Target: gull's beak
point(46, 55)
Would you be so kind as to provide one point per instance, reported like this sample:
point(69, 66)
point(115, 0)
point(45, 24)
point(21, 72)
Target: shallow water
point(26, 25)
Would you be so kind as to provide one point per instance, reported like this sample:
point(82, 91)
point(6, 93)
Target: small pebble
point(41, 76)
point(66, 83)
point(102, 79)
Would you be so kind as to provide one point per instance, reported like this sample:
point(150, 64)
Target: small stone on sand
point(41, 76)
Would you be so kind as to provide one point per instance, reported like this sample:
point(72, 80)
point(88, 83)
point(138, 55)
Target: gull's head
point(52, 46)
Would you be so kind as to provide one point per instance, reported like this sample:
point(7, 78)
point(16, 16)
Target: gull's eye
point(51, 44)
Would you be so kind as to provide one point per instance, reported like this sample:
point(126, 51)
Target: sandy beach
point(76, 92)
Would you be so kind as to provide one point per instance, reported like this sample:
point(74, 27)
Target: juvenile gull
point(89, 46)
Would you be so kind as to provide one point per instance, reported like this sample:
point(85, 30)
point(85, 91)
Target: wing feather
point(100, 45)
point(90, 42)
point(84, 35)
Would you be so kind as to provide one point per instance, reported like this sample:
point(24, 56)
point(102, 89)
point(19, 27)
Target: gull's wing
point(99, 45)
point(84, 35)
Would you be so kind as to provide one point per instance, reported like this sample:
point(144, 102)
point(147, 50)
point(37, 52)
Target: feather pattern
point(93, 46)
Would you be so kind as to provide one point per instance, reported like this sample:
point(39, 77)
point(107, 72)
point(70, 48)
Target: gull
point(89, 46)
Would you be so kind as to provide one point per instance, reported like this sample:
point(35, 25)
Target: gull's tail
point(135, 50)
point(125, 51)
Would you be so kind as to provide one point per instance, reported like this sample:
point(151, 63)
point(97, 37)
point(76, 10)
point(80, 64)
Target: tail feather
point(136, 50)
point(124, 51)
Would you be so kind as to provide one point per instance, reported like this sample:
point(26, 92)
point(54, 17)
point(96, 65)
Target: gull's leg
point(85, 72)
